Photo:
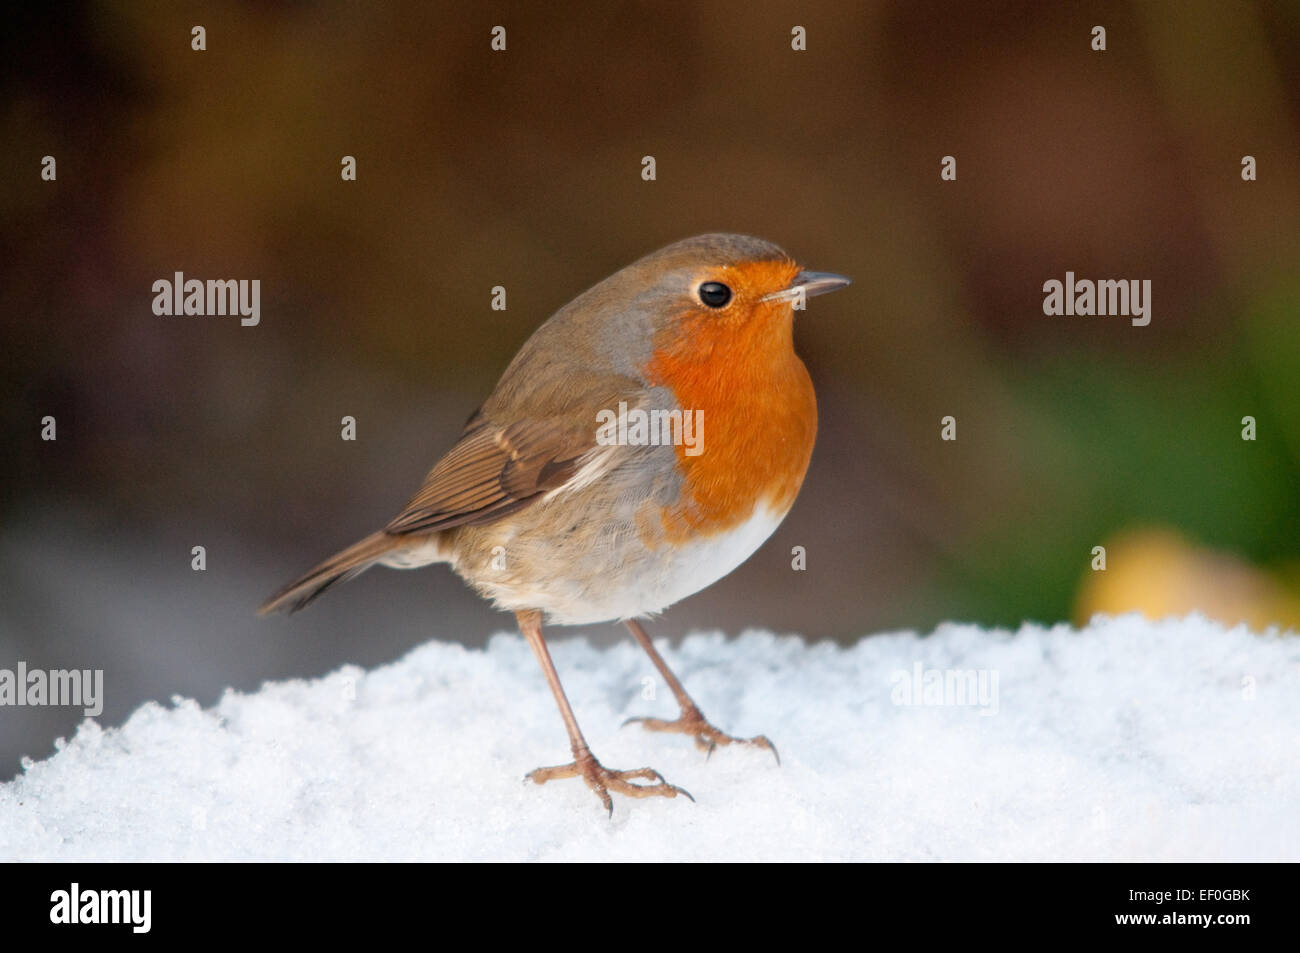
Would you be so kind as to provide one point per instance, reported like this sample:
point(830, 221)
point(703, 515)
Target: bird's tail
point(340, 567)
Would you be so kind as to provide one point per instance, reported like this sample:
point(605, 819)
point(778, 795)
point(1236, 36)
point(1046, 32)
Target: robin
point(640, 446)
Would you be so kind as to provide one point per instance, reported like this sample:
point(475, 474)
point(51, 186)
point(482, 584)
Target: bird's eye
point(715, 294)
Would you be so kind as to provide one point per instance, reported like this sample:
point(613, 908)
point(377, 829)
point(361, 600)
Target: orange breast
point(759, 414)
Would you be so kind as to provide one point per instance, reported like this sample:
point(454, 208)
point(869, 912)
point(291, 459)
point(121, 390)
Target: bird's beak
point(809, 283)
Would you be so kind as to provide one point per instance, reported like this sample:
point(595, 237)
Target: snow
point(1128, 740)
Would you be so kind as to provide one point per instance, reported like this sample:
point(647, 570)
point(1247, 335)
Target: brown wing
point(496, 469)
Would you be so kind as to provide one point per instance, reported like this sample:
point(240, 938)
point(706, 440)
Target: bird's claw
point(602, 780)
point(706, 737)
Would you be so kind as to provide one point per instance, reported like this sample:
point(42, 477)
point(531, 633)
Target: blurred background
point(522, 169)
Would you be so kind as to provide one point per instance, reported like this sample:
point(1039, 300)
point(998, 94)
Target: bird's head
point(711, 298)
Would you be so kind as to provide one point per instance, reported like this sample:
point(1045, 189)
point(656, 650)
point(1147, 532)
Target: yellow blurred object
point(1159, 573)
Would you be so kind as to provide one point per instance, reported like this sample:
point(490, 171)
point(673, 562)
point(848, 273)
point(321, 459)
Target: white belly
point(610, 578)
point(672, 576)
point(701, 563)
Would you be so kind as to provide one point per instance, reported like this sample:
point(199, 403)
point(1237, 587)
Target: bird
point(644, 441)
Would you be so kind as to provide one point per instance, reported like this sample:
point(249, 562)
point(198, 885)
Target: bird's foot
point(693, 723)
point(602, 780)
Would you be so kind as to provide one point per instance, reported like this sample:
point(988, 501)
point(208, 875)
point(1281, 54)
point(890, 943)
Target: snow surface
point(1127, 740)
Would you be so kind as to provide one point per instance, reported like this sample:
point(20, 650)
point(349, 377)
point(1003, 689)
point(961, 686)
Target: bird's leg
point(600, 779)
point(692, 721)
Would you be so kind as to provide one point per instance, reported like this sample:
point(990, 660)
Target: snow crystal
point(1128, 740)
